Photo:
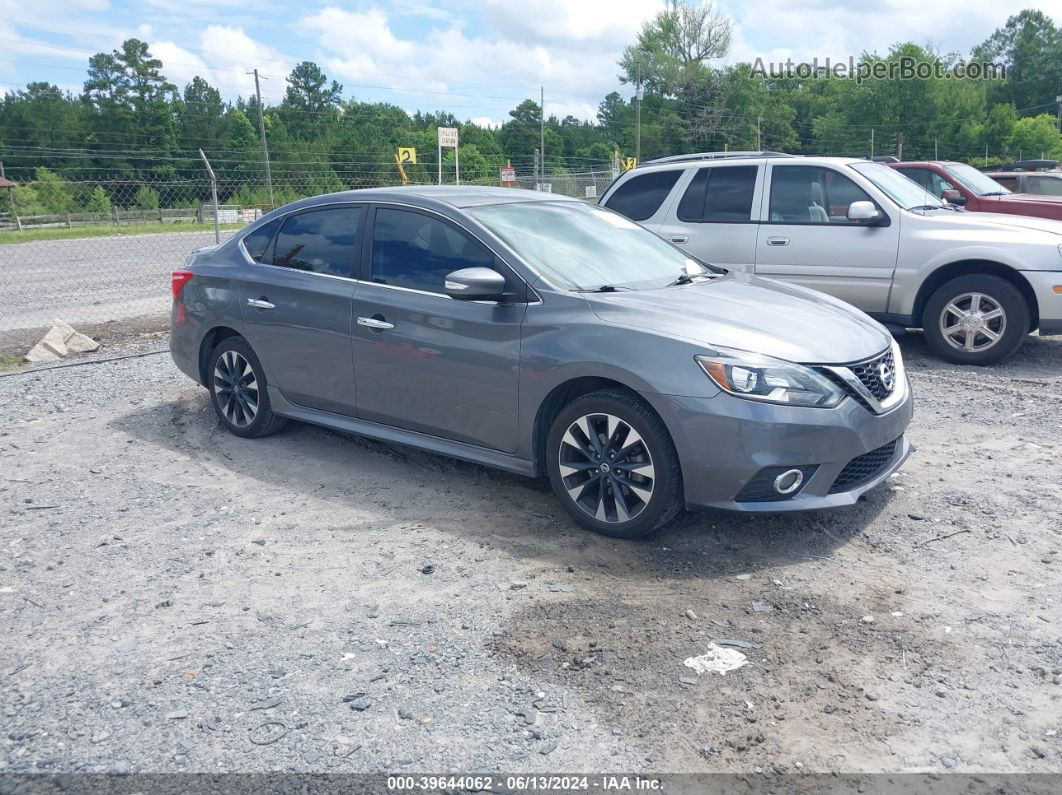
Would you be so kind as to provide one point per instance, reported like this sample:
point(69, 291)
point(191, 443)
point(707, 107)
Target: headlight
point(756, 377)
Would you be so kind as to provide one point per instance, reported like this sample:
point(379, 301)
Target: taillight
point(177, 282)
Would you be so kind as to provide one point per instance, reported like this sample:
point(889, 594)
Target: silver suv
point(977, 283)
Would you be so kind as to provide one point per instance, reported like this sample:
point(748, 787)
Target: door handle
point(260, 303)
point(680, 238)
point(375, 323)
point(778, 241)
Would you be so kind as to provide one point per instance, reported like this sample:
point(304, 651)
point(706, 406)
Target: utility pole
point(1058, 99)
point(759, 143)
point(871, 143)
point(986, 156)
point(638, 116)
point(935, 149)
point(542, 132)
point(899, 147)
point(261, 131)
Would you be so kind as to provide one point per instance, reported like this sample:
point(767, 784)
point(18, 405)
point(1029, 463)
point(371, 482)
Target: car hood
point(1028, 198)
point(990, 220)
point(751, 314)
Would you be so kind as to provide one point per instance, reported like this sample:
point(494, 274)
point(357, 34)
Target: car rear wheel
point(976, 319)
point(613, 466)
point(238, 390)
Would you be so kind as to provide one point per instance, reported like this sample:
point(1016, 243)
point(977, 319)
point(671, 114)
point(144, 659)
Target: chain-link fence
point(93, 252)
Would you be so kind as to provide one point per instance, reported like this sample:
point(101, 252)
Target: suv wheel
point(238, 390)
point(613, 466)
point(976, 319)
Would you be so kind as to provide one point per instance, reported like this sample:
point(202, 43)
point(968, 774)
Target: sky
point(475, 58)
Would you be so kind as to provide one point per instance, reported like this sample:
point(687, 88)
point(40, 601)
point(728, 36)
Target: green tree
point(310, 101)
point(1030, 45)
point(147, 198)
point(98, 201)
point(52, 192)
point(1034, 137)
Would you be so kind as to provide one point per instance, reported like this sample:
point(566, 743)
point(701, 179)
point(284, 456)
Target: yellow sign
point(407, 154)
point(629, 163)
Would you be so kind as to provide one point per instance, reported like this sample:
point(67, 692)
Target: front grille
point(872, 374)
point(864, 467)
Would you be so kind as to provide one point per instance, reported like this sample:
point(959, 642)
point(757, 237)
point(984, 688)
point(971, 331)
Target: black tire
point(656, 450)
point(233, 414)
point(1003, 294)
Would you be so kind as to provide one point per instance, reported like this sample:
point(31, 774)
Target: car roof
point(699, 161)
point(459, 196)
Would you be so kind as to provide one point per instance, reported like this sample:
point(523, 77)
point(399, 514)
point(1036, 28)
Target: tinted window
point(321, 241)
point(1051, 186)
point(414, 250)
point(1010, 183)
point(641, 196)
point(930, 180)
point(719, 194)
point(257, 241)
point(812, 195)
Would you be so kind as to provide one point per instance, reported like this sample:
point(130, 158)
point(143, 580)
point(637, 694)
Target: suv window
point(413, 250)
point(929, 179)
point(319, 241)
point(1010, 183)
point(1049, 186)
point(257, 242)
point(719, 194)
point(641, 196)
point(812, 195)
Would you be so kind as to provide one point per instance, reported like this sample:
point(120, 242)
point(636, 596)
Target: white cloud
point(571, 49)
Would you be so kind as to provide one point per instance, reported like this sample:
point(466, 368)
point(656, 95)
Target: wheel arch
point(559, 397)
point(968, 267)
point(210, 341)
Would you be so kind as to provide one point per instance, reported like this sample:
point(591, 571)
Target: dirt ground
point(174, 598)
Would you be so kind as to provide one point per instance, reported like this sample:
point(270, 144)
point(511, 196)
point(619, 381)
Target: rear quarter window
point(257, 242)
point(641, 196)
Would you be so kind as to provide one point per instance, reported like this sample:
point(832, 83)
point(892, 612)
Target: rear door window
point(641, 196)
point(320, 241)
point(719, 195)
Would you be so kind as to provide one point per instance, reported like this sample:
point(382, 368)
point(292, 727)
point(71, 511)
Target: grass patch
point(9, 236)
point(9, 362)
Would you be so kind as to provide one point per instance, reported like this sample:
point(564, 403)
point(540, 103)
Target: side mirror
point(953, 197)
point(864, 213)
point(475, 284)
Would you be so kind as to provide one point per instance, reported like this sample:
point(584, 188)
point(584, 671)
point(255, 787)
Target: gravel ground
point(173, 598)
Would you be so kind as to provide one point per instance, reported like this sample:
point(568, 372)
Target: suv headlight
point(755, 377)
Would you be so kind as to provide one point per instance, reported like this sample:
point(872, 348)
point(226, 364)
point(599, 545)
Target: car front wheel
point(613, 466)
point(976, 319)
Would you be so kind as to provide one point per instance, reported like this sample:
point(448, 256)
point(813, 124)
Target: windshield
point(584, 247)
point(901, 189)
point(981, 184)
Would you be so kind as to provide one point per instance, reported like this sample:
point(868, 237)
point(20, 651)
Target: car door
point(806, 237)
point(427, 362)
point(713, 219)
point(296, 305)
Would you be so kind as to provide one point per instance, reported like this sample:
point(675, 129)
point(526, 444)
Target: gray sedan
point(548, 337)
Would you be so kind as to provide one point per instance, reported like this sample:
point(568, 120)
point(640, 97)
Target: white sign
point(591, 191)
point(545, 187)
point(448, 136)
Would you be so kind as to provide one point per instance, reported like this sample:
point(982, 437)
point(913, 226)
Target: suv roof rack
point(712, 156)
point(1023, 165)
point(884, 159)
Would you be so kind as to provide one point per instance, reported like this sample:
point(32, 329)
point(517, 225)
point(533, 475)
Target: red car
point(961, 184)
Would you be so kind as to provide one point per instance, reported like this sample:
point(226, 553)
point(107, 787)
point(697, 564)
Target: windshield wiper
point(932, 207)
point(604, 288)
point(686, 278)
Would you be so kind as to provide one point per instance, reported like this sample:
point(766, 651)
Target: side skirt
point(385, 433)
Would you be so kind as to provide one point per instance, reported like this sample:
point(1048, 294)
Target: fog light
point(789, 481)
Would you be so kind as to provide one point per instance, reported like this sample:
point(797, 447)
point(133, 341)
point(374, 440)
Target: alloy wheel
point(972, 322)
point(606, 468)
point(236, 388)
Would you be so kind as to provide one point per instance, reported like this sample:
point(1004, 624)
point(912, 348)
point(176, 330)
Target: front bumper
point(724, 441)
point(1043, 285)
